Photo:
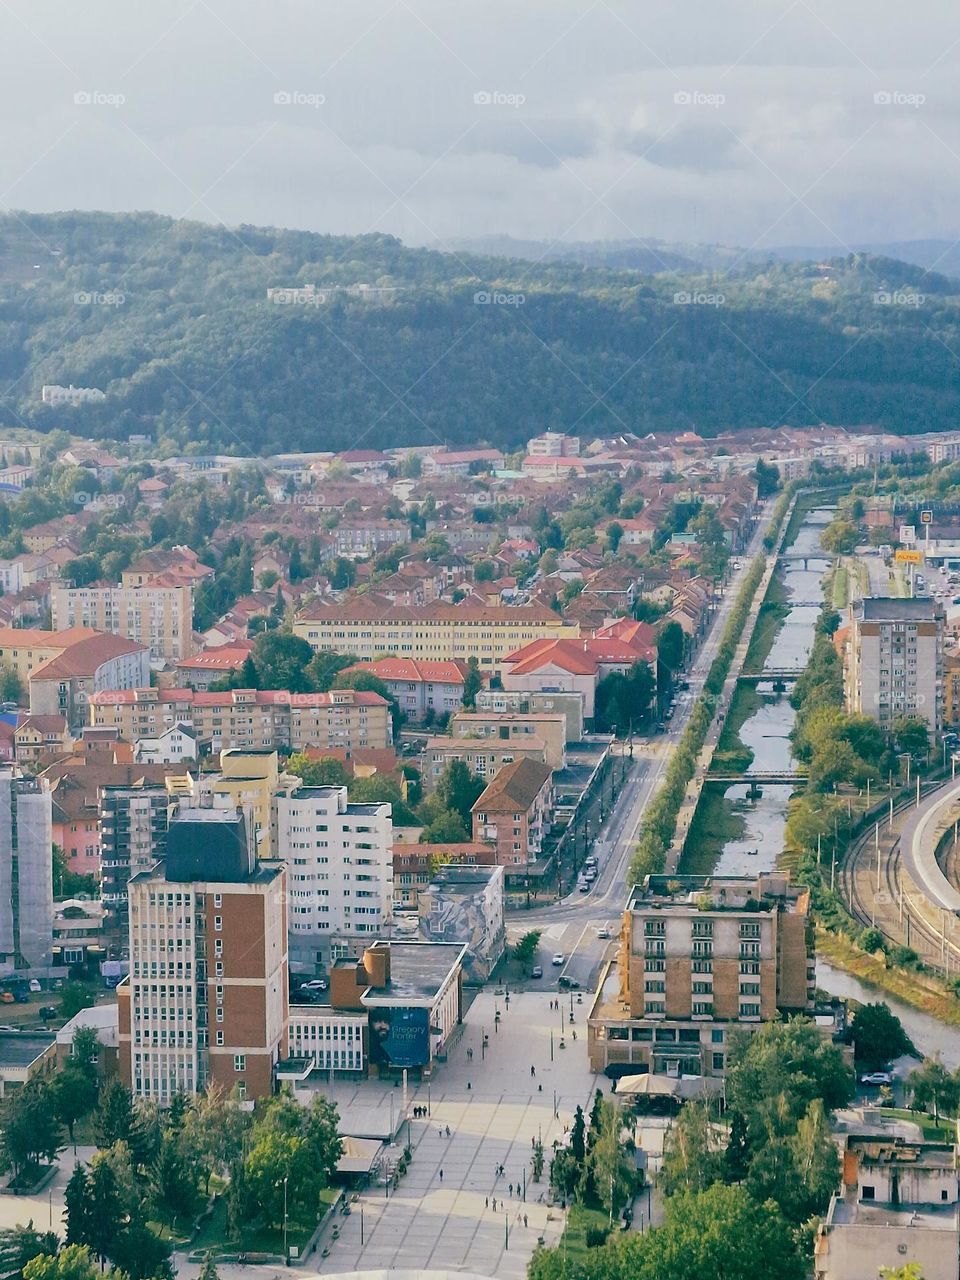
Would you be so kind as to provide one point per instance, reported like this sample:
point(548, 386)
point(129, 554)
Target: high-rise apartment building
point(26, 872)
point(206, 999)
point(701, 956)
point(893, 660)
point(339, 859)
point(160, 617)
point(133, 822)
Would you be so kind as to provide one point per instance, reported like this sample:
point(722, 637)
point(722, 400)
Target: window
point(219, 1037)
point(218, 923)
point(239, 1062)
point(868, 1193)
point(718, 1062)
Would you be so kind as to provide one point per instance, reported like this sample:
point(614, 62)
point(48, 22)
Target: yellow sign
point(908, 557)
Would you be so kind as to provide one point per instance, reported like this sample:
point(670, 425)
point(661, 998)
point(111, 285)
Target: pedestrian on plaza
point(494, 1204)
point(510, 1188)
point(574, 1033)
point(439, 1133)
point(441, 1175)
point(448, 1131)
point(533, 1070)
point(469, 1085)
point(539, 1088)
point(525, 1223)
point(486, 1202)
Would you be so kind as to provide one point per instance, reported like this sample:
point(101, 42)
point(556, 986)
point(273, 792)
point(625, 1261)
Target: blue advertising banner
point(400, 1037)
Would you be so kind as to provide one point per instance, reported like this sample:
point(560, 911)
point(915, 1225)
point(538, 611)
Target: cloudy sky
point(750, 122)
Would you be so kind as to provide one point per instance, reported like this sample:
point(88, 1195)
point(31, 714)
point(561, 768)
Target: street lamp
point(361, 1224)
point(286, 1255)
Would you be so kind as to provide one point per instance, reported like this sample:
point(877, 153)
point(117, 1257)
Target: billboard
point(399, 1037)
point(909, 557)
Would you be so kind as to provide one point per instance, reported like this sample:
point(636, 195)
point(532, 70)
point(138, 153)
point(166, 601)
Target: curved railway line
point(893, 910)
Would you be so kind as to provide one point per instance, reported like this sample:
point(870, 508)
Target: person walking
point(486, 1202)
point(441, 1175)
point(525, 1223)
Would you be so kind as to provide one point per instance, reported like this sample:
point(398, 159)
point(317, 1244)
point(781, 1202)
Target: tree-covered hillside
point(171, 320)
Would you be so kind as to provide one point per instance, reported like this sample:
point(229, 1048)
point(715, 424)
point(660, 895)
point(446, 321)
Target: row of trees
point(660, 818)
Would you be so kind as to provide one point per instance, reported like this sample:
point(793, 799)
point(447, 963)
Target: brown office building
point(206, 999)
point(701, 956)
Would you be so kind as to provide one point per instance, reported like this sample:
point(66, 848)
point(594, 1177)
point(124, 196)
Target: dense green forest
point(196, 355)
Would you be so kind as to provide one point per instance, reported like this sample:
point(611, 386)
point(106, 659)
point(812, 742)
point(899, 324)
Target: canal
point(753, 828)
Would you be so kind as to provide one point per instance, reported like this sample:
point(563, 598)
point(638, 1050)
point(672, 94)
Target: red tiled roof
point(415, 671)
point(84, 657)
point(222, 657)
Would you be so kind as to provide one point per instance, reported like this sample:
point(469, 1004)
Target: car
point(590, 874)
point(568, 984)
point(34, 985)
point(536, 971)
point(604, 932)
point(590, 862)
point(9, 1028)
point(558, 958)
point(877, 1077)
point(48, 1011)
point(315, 984)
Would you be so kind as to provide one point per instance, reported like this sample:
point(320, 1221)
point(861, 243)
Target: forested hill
point(171, 320)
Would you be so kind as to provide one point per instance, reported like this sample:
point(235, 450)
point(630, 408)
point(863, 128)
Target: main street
point(570, 926)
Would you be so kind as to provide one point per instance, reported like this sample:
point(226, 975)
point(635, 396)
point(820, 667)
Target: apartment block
point(133, 822)
point(251, 719)
point(701, 956)
point(206, 998)
point(482, 756)
point(371, 629)
point(515, 812)
point(550, 728)
point(339, 859)
point(161, 617)
point(893, 660)
point(26, 873)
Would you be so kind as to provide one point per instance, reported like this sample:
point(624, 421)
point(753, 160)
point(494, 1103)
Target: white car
point(317, 984)
point(877, 1077)
point(558, 958)
point(604, 932)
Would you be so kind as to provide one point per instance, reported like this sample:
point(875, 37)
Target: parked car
point(536, 971)
point(315, 984)
point(604, 932)
point(558, 958)
point(48, 1011)
point(877, 1077)
point(583, 886)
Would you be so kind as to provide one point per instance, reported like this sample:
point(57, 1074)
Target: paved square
point(450, 1223)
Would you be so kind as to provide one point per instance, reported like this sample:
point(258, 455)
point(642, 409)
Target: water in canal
point(767, 730)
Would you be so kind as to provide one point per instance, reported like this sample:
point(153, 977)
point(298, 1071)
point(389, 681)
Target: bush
point(872, 940)
point(596, 1236)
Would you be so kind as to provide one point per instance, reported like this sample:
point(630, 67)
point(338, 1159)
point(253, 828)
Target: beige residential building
point(516, 727)
point(481, 756)
point(701, 956)
point(893, 660)
point(437, 631)
point(160, 617)
point(347, 719)
point(248, 780)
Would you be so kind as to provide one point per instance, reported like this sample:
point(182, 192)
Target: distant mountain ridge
point(171, 319)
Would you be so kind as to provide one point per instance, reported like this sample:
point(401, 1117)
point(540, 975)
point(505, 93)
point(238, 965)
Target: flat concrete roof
point(418, 970)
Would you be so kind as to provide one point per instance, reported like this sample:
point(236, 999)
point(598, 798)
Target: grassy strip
point(714, 824)
point(773, 613)
point(840, 587)
point(732, 754)
point(573, 1242)
point(921, 990)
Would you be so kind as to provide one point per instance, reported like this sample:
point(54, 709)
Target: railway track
point(884, 912)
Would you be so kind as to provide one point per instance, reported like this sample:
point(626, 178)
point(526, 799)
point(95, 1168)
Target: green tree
point(76, 1197)
point(139, 1253)
point(72, 1263)
point(609, 1167)
point(11, 686)
point(115, 1120)
point(472, 682)
point(789, 1059)
point(525, 950)
point(18, 1245)
point(326, 772)
point(933, 1086)
point(878, 1035)
point(736, 1157)
point(817, 1162)
point(614, 536)
point(692, 1153)
point(671, 644)
point(912, 735)
point(75, 1095)
point(282, 660)
point(106, 1215)
point(174, 1181)
point(840, 537)
point(458, 789)
point(73, 998)
point(30, 1133)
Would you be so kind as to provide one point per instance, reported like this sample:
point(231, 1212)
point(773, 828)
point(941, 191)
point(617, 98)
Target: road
point(570, 926)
